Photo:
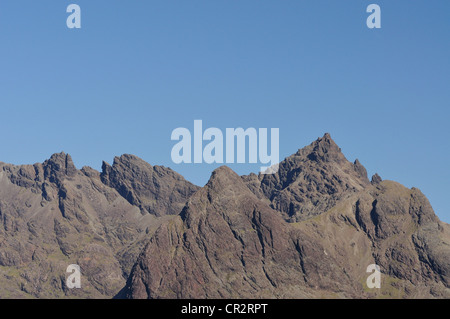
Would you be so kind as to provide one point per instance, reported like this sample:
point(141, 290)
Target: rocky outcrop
point(311, 181)
point(376, 179)
point(156, 190)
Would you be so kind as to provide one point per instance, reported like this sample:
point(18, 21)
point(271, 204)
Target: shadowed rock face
point(142, 231)
point(156, 190)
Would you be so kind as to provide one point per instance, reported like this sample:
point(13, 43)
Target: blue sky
point(136, 70)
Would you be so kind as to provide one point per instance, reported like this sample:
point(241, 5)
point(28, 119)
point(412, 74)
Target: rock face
point(53, 215)
point(156, 190)
point(376, 179)
point(309, 231)
point(142, 231)
point(409, 242)
point(226, 243)
point(311, 181)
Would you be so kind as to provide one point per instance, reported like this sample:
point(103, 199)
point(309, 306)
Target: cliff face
point(311, 230)
point(310, 181)
point(156, 190)
point(143, 231)
point(229, 244)
point(53, 215)
point(226, 243)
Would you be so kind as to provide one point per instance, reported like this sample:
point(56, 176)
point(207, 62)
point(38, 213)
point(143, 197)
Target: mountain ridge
point(143, 231)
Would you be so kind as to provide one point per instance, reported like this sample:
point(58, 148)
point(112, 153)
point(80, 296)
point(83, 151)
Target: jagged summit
point(224, 176)
point(360, 170)
point(222, 170)
point(376, 179)
point(129, 159)
point(156, 190)
point(58, 166)
point(311, 180)
point(322, 149)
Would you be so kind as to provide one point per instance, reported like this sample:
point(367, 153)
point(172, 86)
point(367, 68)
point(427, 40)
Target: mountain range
point(142, 231)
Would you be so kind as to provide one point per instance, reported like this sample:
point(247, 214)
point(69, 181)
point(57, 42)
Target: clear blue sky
point(136, 70)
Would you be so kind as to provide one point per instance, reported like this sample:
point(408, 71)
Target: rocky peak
point(225, 178)
point(125, 165)
point(54, 170)
point(323, 149)
point(130, 161)
point(360, 169)
point(310, 181)
point(155, 190)
point(376, 179)
point(223, 189)
point(58, 166)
